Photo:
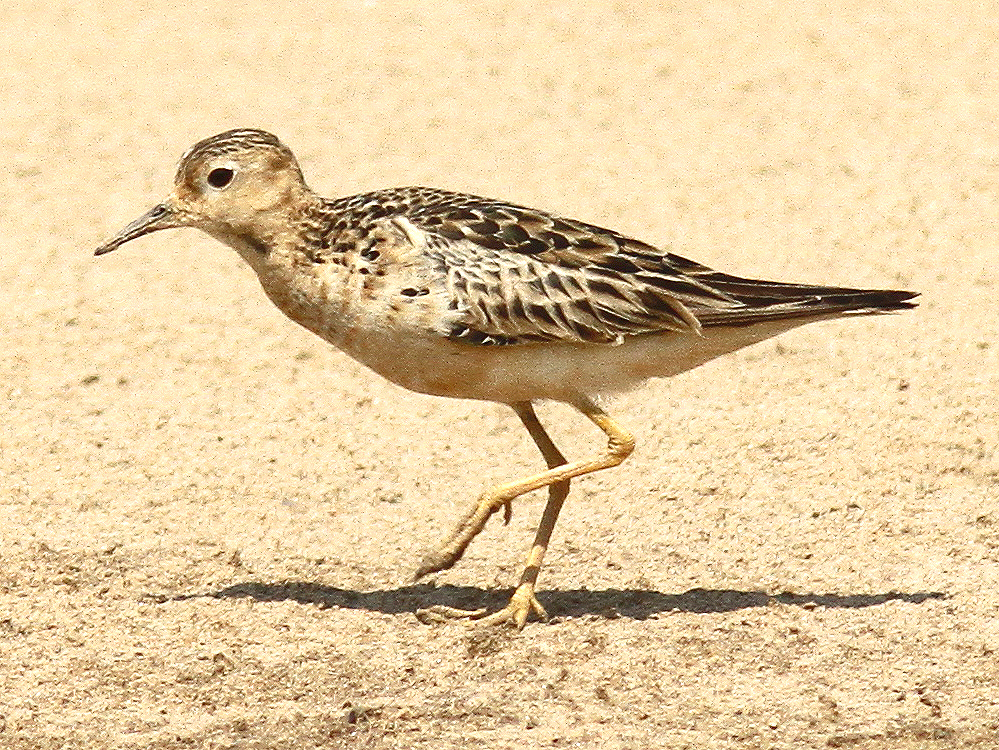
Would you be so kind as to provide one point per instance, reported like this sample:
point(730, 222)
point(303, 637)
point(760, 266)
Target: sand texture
point(209, 518)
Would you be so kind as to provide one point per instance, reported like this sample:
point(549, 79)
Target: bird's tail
point(759, 301)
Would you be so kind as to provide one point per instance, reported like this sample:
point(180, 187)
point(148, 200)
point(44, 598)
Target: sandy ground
point(209, 518)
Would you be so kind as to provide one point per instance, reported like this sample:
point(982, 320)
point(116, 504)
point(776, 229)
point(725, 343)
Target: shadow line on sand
point(637, 604)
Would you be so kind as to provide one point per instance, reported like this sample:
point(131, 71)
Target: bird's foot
point(521, 605)
point(448, 553)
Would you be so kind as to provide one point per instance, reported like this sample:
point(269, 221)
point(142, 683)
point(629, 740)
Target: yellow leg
point(556, 478)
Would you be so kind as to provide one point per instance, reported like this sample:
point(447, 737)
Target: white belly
point(555, 371)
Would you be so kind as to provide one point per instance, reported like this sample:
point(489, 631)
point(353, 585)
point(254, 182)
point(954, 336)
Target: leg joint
point(621, 445)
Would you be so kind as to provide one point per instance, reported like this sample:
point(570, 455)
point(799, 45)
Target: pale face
point(227, 188)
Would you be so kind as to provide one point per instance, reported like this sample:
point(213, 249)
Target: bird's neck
point(256, 235)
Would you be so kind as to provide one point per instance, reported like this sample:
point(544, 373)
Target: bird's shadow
point(637, 604)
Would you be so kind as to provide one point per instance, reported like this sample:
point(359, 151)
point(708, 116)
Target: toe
point(439, 614)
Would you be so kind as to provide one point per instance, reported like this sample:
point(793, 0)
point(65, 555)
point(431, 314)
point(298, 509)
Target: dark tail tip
point(887, 300)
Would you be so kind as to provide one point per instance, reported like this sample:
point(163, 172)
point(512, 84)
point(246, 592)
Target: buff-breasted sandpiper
point(454, 295)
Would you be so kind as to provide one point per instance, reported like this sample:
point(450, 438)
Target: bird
point(454, 295)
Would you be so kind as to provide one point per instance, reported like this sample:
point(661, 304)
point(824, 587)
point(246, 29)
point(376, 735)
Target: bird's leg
point(523, 601)
point(557, 494)
point(556, 478)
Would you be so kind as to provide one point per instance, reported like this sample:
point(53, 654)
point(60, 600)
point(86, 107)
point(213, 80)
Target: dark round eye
point(220, 177)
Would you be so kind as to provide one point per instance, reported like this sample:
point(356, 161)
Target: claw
point(433, 562)
point(522, 604)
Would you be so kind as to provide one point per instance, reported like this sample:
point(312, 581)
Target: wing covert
point(516, 275)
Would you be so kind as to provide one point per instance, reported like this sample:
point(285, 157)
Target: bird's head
point(238, 186)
